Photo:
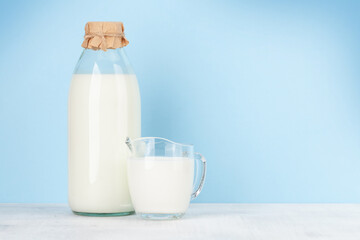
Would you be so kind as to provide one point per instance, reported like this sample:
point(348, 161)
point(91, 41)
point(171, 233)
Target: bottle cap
point(104, 35)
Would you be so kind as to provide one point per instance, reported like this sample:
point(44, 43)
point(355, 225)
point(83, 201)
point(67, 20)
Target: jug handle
point(201, 158)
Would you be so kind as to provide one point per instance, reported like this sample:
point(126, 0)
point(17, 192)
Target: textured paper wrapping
point(104, 35)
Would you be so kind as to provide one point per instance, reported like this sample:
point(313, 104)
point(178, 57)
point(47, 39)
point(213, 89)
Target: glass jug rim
point(160, 138)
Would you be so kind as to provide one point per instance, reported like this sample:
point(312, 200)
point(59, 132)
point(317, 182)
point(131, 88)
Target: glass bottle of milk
point(104, 109)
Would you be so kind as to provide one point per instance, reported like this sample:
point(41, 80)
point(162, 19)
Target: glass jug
point(161, 177)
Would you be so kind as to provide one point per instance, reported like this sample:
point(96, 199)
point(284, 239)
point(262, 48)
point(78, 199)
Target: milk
point(161, 184)
point(104, 109)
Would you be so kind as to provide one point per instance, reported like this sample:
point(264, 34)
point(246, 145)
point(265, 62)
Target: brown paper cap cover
point(104, 35)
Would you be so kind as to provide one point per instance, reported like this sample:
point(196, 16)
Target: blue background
point(268, 91)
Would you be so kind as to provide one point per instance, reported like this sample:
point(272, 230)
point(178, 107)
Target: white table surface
point(202, 221)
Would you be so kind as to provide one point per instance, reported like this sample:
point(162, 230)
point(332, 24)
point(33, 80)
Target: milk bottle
point(104, 109)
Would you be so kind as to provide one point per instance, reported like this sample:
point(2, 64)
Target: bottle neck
point(112, 61)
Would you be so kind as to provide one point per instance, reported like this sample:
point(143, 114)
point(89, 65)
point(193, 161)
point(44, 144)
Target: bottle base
point(103, 214)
